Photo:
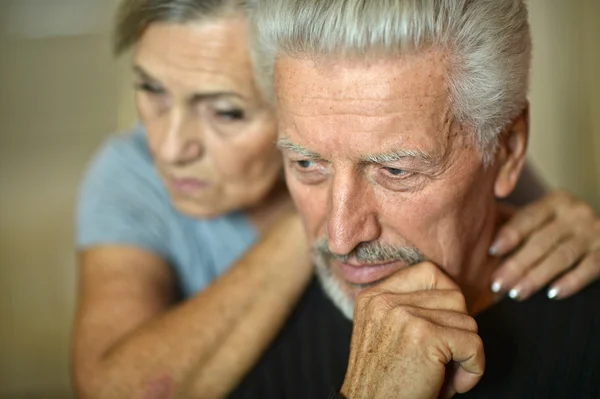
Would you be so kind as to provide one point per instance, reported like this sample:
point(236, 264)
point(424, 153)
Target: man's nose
point(352, 214)
point(183, 141)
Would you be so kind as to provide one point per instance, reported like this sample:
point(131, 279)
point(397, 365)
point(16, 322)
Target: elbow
point(105, 382)
point(89, 382)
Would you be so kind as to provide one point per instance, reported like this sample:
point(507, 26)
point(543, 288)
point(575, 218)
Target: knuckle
point(364, 296)
point(402, 313)
point(513, 265)
point(378, 306)
point(477, 343)
point(568, 254)
point(561, 197)
point(511, 232)
point(458, 300)
point(471, 324)
point(362, 300)
point(527, 219)
point(417, 329)
point(539, 242)
point(594, 258)
point(431, 273)
point(435, 276)
point(429, 268)
point(363, 304)
point(584, 210)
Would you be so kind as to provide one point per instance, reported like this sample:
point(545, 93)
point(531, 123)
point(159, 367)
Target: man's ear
point(510, 157)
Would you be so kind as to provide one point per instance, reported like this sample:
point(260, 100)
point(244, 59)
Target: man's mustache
point(372, 252)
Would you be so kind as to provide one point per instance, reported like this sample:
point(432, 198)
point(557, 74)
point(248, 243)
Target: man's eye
point(395, 172)
point(308, 171)
point(305, 163)
point(231, 115)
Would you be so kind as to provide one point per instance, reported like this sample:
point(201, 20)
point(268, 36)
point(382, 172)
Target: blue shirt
point(123, 201)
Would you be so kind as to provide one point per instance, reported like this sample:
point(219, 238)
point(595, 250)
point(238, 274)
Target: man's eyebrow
point(211, 95)
point(286, 144)
point(399, 155)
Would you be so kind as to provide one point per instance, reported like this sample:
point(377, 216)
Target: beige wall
point(565, 96)
point(60, 96)
point(57, 101)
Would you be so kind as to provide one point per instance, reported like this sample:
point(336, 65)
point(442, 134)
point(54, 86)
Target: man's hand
point(411, 333)
point(555, 235)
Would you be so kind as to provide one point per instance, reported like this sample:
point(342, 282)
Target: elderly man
point(401, 123)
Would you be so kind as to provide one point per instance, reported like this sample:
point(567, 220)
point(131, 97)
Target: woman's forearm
point(207, 344)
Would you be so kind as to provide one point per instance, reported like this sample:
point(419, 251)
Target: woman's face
point(210, 131)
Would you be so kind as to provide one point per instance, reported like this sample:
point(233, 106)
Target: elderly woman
point(191, 205)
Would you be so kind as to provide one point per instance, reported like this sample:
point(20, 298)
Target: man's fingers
point(447, 308)
point(469, 354)
point(521, 225)
point(587, 271)
point(444, 318)
point(466, 349)
point(448, 300)
point(531, 253)
point(422, 277)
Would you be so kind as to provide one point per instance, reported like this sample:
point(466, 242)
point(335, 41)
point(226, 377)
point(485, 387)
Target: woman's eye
point(395, 172)
point(150, 88)
point(231, 115)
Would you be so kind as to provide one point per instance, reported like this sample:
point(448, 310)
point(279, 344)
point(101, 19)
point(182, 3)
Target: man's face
point(381, 172)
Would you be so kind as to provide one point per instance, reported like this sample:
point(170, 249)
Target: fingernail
point(497, 245)
point(553, 293)
point(514, 293)
point(496, 286)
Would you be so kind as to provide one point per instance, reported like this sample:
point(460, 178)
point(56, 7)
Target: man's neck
point(476, 280)
point(480, 297)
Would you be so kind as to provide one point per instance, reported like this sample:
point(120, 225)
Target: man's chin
point(341, 294)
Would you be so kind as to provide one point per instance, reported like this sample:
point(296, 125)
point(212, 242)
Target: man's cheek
point(312, 209)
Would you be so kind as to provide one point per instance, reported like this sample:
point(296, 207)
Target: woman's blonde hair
point(134, 16)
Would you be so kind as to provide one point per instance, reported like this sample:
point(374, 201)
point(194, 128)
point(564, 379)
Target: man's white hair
point(488, 42)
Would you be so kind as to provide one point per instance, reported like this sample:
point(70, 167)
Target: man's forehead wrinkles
point(389, 107)
point(317, 95)
point(376, 112)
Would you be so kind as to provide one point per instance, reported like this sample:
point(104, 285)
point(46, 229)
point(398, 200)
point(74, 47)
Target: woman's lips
point(368, 273)
point(188, 185)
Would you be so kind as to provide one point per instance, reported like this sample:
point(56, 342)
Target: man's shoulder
point(542, 347)
point(581, 308)
point(581, 305)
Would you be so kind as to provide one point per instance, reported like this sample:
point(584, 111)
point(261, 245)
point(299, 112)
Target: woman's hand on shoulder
point(555, 240)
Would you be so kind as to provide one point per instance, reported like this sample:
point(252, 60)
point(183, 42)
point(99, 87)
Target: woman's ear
point(510, 156)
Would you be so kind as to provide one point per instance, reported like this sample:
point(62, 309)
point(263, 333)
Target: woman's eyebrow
point(196, 97)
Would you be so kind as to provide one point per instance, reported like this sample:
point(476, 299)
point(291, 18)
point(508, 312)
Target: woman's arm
point(551, 238)
point(131, 342)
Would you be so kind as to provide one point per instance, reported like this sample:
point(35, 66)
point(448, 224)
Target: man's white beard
point(333, 289)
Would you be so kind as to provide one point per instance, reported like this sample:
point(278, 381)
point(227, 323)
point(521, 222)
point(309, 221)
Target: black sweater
point(536, 349)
